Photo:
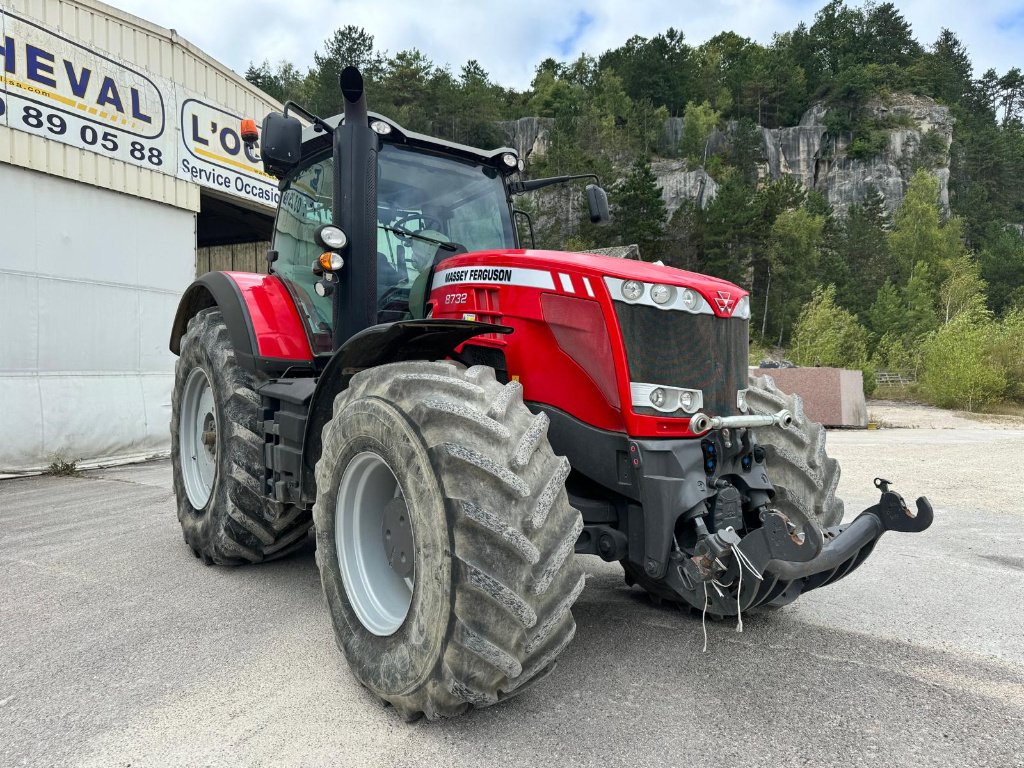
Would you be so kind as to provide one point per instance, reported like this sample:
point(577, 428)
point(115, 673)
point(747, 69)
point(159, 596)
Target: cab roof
point(313, 137)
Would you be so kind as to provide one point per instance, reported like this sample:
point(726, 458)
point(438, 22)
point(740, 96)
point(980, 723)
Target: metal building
point(119, 158)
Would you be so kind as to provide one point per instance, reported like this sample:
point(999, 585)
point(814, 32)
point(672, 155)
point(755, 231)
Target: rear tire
point(221, 504)
point(493, 537)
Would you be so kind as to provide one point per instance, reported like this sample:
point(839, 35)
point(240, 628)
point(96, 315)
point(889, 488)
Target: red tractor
point(457, 416)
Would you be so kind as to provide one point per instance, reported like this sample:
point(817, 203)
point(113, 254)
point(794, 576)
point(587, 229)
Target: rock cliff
point(920, 134)
point(822, 161)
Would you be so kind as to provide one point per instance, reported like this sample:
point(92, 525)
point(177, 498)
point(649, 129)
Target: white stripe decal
point(566, 283)
point(528, 278)
point(586, 284)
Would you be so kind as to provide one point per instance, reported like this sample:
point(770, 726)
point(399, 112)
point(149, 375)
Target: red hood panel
point(596, 267)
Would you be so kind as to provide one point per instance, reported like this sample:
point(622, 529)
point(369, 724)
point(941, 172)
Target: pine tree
point(640, 212)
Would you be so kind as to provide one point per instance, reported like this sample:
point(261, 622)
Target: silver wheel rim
point(375, 555)
point(197, 438)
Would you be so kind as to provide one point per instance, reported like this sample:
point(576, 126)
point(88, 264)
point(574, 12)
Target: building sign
point(214, 155)
point(57, 88)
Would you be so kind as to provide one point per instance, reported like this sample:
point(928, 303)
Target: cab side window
point(305, 206)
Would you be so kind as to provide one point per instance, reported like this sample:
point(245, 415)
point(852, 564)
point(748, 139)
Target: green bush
point(1009, 353)
point(959, 364)
point(829, 336)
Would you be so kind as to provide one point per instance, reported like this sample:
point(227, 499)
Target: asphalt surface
point(118, 648)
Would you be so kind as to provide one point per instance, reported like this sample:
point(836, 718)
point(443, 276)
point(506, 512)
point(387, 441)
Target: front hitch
point(844, 545)
point(780, 563)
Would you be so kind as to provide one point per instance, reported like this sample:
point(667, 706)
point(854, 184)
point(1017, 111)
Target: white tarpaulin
point(89, 287)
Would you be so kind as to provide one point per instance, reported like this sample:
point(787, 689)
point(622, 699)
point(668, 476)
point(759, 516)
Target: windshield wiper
point(406, 233)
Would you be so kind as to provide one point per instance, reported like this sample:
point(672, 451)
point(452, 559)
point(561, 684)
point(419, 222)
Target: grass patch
point(61, 467)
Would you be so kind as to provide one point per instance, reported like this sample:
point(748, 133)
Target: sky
point(510, 38)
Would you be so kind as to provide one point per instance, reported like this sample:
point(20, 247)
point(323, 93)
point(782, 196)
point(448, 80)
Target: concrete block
point(832, 396)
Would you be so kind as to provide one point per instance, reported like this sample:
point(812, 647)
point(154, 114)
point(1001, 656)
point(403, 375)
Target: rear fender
point(429, 339)
point(266, 331)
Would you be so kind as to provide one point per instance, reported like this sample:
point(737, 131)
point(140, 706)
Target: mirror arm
point(318, 122)
point(519, 187)
point(529, 221)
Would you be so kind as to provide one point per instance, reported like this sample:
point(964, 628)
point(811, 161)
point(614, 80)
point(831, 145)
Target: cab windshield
point(429, 207)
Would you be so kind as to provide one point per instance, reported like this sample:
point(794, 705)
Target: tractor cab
point(433, 200)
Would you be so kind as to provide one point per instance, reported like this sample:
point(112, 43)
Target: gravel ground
point(118, 648)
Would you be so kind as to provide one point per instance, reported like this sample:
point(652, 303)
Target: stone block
point(832, 396)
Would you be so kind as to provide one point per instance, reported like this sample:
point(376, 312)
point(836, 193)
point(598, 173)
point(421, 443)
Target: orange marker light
point(249, 133)
point(331, 261)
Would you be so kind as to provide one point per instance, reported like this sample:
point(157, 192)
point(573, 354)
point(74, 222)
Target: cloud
point(510, 38)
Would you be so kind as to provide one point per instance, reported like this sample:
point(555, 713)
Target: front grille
point(680, 349)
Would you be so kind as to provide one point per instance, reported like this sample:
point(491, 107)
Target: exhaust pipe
point(701, 422)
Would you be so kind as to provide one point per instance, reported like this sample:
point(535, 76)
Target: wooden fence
point(241, 257)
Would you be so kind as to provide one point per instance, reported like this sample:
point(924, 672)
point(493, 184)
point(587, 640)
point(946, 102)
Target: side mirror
point(597, 202)
point(280, 143)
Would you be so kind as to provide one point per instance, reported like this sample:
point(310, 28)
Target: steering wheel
point(427, 222)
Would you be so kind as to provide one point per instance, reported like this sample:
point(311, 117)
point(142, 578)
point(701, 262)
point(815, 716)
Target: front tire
point(217, 454)
point(493, 537)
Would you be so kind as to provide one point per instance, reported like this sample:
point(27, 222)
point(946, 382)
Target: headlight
point(662, 294)
point(742, 308)
point(666, 399)
point(632, 290)
point(510, 160)
point(330, 237)
point(672, 298)
point(658, 397)
point(380, 127)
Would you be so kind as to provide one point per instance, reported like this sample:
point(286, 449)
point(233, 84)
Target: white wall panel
point(19, 323)
point(21, 422)
point(86, 319)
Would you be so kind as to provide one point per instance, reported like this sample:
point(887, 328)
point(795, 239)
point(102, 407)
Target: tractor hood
point(560, 266)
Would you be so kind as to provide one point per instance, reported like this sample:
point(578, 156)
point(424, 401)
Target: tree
point(918, 235)
point(640, 211)
point(948, 69)
point(283, 82)
point(861, 245)
point(348, 46)
point(793, 255)
point(963, 292)
point(886, 314)
point(1002, 267)
point(828, 335)
point(959, 369)
point(699, 120)
point(920, 298)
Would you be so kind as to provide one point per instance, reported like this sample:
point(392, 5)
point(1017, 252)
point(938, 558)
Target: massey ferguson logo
point(726, 303)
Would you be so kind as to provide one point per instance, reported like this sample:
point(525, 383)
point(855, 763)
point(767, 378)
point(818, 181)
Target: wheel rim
point(374, 539)
point(197, 439)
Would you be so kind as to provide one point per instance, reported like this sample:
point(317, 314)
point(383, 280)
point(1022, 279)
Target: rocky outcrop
point(821, 161)
point(528, 135)
point(678, 183)
point(921, 134)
